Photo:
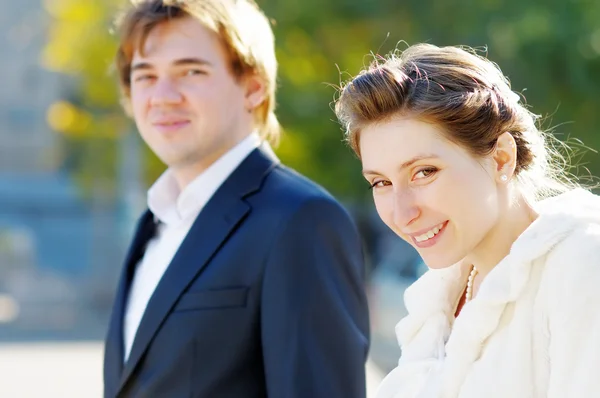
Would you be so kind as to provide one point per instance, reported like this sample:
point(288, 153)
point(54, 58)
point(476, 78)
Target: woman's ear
point(505, 157)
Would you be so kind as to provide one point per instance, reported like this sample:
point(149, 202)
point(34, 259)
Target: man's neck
point(185, 174)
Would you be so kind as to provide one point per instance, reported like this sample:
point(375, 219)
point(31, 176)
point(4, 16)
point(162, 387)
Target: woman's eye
point(424, 173)
point(378, 184)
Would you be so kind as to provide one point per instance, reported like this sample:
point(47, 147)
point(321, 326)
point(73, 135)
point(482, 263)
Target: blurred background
point(73, 172)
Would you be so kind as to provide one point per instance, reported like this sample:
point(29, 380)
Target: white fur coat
point(532, 331)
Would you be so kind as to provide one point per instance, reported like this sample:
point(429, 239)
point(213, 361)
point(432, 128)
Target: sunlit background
point(73, 172)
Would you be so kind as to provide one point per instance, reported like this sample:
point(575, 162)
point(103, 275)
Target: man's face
point(188, 106)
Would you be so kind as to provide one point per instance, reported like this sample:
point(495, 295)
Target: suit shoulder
point(290, 187)
point(287, 196)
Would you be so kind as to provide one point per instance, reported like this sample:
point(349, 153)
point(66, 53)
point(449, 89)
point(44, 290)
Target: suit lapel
point(113, 351)
point(211, 229)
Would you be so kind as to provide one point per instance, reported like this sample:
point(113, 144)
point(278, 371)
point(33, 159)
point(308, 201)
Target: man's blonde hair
point(244, 31)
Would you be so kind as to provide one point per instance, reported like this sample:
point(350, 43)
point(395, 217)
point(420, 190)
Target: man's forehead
point(174, 40)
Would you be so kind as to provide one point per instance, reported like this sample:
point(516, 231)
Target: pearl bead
point(469, 292)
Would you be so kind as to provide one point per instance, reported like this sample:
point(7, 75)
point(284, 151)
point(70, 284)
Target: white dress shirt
point(176, 212)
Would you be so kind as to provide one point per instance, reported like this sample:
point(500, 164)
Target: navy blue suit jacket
point(264, 298)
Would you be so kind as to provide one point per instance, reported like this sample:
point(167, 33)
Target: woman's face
point(432, 193)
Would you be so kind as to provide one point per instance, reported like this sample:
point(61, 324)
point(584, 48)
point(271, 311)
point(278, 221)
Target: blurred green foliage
point(550, 51)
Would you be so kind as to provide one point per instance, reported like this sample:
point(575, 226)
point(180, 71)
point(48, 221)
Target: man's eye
point(141, 78)
point(194, 72)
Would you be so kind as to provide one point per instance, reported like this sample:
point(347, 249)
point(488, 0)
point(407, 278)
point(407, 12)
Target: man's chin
point(175, 157)
point(182, 160)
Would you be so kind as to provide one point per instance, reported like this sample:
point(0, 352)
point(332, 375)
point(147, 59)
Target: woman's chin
point(438, 263)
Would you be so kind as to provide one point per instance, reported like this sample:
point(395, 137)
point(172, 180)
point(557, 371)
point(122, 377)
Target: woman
point(509, 307)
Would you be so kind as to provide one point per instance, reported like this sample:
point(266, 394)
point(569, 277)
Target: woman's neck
point(516, 218)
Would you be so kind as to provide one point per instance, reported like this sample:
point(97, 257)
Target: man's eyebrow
point(192, 61)
point(140, 66)
point(179, 62)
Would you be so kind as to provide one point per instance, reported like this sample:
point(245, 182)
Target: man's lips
point(170, 125)
point(166, 122)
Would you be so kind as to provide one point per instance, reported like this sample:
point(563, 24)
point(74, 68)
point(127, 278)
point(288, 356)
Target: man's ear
point(255, 91)
point(127, 106)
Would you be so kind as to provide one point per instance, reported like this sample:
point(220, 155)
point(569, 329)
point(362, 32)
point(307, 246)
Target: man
point(244, 279)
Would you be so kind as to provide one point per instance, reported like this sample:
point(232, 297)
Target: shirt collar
point(170, 205)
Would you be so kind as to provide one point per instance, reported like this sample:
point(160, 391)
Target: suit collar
point(114, 351)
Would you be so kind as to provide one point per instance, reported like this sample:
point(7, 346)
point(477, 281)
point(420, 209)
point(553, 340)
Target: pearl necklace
point(469, 292)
